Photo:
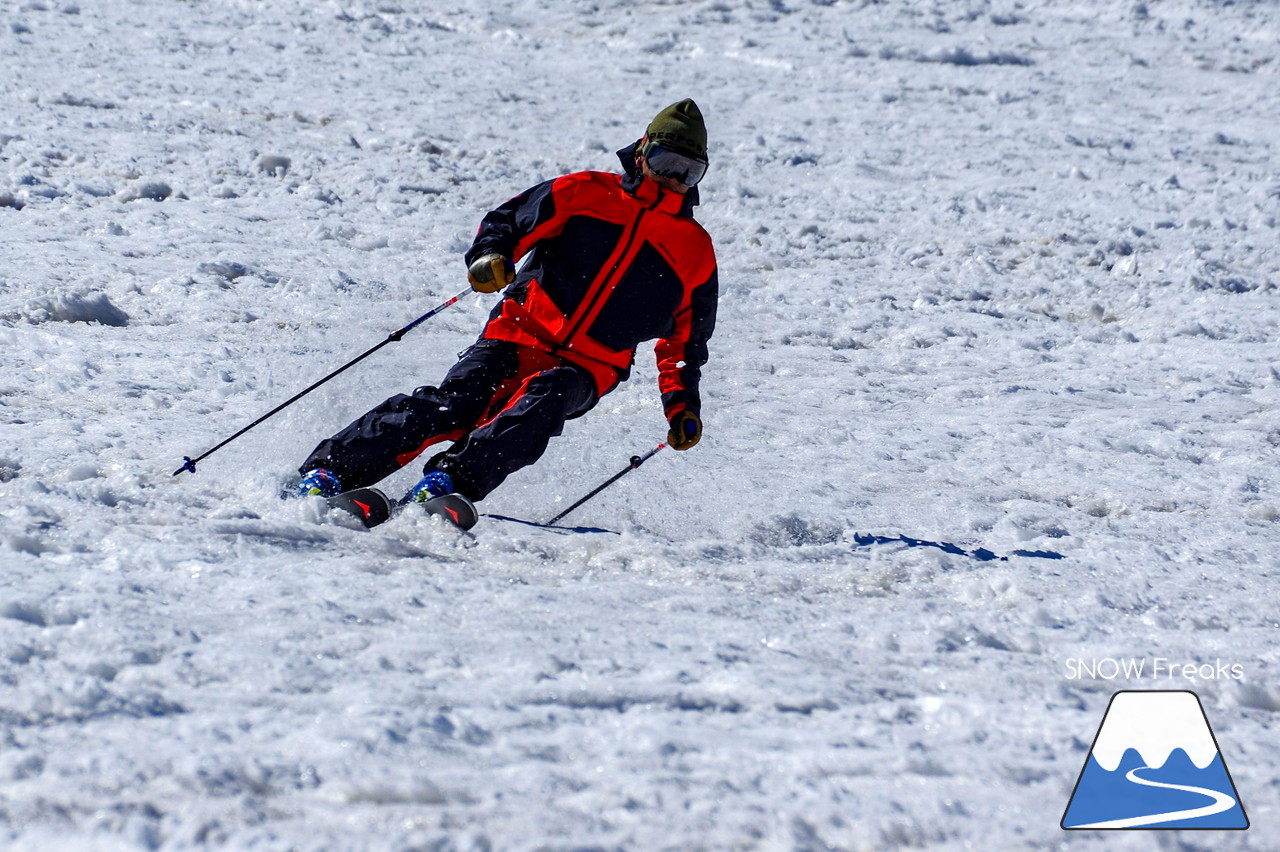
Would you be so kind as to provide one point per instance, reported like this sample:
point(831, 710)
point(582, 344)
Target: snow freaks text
point(1135, 668)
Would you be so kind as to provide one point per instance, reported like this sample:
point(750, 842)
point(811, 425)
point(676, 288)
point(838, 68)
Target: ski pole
point(636, 461)
point(189, 464)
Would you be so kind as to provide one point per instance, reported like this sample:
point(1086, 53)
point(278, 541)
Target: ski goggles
point(670, 163)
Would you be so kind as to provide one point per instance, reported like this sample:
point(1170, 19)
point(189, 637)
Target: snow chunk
point(962, 56)
point(275, 166)
point(82, 472)
point(67, 99)
point(154, 190)
point(76, 307)
point(1258, 696)
point(230, 270)
point(19, 611)
point(958, 55)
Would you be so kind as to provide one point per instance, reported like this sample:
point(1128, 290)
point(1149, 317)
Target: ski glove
point(489, 273)
point(686, 430)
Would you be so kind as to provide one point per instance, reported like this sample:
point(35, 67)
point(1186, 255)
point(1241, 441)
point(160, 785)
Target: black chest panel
point(567, 264)
point(641, 305)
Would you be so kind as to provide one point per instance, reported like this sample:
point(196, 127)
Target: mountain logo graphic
point(1155, 764)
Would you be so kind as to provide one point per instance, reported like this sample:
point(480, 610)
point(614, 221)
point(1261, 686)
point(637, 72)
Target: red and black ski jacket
point(613, 261)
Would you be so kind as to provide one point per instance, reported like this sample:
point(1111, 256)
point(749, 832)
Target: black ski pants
point(500, 404)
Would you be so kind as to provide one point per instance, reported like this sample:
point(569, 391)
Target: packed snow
point(994, 396)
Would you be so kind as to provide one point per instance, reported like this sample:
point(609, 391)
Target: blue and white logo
point(1155, 764)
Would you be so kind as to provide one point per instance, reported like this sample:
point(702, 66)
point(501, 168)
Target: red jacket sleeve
point(682, 354)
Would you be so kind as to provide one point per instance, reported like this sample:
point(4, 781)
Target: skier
point(610, 261)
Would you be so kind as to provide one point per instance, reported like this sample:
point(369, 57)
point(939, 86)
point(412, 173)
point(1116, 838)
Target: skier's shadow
point(981, 554)
point(555, 528)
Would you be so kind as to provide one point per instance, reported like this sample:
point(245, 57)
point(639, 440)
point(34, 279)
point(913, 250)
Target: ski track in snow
point(995, 275)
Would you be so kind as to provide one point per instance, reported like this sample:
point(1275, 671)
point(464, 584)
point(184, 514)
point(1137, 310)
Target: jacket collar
point(633, 181)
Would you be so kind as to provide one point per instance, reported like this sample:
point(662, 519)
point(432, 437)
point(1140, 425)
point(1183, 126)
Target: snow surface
point(999, 275)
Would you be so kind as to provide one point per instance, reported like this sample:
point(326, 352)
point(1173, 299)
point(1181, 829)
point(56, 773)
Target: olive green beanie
point(681, 127)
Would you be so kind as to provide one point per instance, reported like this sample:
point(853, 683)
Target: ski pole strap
point(634, 463)
point(189, 464)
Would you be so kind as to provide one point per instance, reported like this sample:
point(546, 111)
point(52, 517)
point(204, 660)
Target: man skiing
point(610, 261)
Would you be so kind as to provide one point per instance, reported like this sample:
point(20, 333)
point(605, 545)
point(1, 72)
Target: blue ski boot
point(320, 482)
point(435, 494)
point(435, 484)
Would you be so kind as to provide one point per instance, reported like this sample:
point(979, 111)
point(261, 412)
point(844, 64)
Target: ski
point(373, 507)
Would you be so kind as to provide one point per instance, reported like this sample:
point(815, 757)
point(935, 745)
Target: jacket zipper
point(605, 282)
